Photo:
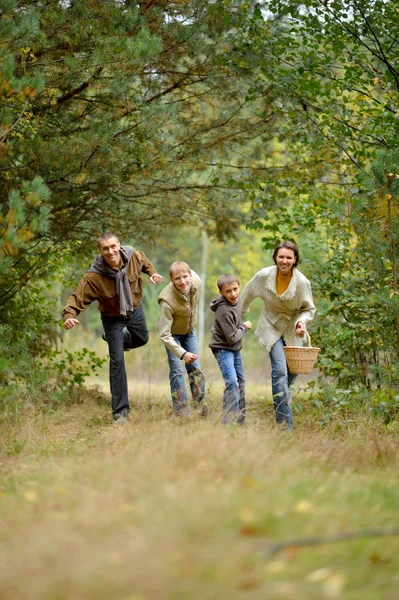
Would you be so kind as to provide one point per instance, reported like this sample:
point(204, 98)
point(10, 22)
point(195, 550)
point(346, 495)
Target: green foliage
point(22, 380)
point(144, 117)
point(329, 73)
point(119, 117)
point(74, 367)
point(349, 405)
point(386, 405)
point(27, 382)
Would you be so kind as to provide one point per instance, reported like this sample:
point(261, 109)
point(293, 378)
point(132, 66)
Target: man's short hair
point(226, 279)
point(106, 236)
point(177, 267)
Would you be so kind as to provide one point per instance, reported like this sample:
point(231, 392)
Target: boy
point(226, 343)
point(179, 306)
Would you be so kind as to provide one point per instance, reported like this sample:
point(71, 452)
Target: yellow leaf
point(333, 586)
point(247, 515)
point(276, 566)
point(31, 495)
point(303, 506)
point(319, 575)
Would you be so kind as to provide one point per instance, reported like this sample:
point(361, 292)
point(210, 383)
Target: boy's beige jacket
point(178, 313)
point(280, 314)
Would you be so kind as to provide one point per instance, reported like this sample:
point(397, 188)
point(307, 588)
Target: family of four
point(113, 280)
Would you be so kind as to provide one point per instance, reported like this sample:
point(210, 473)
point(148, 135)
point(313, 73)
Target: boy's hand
point(189, 357)
point(156, 278)
point(248, 324)
point(69, 323)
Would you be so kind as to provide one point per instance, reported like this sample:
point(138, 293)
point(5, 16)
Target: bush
point(27, 381)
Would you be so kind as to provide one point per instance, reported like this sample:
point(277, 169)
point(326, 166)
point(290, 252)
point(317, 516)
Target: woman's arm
point(250, 292)
point(306, 311)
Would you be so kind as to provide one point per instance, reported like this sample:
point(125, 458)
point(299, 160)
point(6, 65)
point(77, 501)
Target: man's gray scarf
point(123, 290)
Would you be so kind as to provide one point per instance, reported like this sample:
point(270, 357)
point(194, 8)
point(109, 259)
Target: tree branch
point(329, 539)
point(13, 126)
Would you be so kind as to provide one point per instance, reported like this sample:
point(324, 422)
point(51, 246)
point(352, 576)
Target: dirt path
point(171, 510)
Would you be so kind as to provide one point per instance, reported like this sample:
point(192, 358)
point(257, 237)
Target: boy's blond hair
point(177, 267)
point(226, 279)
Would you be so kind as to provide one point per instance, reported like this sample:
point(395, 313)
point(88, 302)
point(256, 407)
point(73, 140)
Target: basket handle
point(309, 340)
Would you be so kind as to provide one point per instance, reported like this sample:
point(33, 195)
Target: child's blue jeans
point(230, 364)
point(181, 404)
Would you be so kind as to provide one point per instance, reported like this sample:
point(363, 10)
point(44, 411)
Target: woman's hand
point(300, 328)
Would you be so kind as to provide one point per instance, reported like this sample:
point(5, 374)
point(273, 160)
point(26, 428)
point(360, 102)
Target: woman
point(288, 306)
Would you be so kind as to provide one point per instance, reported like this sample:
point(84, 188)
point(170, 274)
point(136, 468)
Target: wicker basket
point(300, 359)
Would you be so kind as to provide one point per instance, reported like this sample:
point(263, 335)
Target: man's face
point(231, 291)
point(182, 281)
point(109, 250)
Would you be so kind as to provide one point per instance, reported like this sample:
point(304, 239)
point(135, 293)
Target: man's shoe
point(119, 421)
point(127, 341)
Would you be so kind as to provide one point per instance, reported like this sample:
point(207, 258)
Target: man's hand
point(189, 357)
point(300, 328)
point(156, 278)
point(248, 324)
point(69, 323)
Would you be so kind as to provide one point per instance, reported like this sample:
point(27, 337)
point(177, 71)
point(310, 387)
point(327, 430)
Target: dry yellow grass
point(163, 509)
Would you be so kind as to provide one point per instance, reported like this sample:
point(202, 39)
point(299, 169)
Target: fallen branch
point(329, 539)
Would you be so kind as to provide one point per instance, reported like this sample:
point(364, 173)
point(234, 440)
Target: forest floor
point(175, 510)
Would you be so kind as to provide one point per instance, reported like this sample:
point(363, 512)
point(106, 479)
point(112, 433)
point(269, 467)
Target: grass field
point(164, 509)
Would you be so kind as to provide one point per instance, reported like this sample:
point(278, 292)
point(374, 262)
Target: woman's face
point(285, 259)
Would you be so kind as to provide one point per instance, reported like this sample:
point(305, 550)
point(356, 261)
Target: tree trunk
point(204, 264)
point(395, 271)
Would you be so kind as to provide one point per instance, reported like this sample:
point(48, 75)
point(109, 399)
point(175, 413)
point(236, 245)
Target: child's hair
point(226, 279)
point(177, 267)
point(106, 236)
point(288, 246)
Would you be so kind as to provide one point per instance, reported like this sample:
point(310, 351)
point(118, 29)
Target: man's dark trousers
point(123, 333)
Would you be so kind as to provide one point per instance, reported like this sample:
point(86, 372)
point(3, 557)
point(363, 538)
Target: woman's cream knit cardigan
point(280, 314)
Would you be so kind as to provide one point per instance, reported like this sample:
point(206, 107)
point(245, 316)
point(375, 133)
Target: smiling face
point(231, 291)
point(285, 260)
point(109, 250)
point(181, 280)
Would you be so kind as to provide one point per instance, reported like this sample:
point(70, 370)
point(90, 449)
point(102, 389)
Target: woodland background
point(205, 131)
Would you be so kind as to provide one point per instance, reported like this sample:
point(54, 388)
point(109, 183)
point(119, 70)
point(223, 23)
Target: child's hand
point(248, 324)
point(189, 357)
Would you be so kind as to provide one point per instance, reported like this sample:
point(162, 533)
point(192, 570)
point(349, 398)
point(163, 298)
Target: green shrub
point(26, 380)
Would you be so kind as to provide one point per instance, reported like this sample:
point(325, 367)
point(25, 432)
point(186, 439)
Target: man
point(114, 281)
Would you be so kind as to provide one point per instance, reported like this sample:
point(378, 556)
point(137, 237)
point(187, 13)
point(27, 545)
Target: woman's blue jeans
point(230, 364)
point(180, 400)
point(123, 333)
point(282, 379)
